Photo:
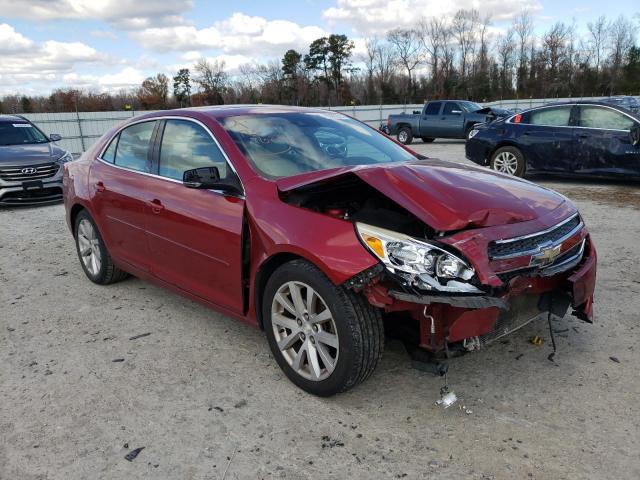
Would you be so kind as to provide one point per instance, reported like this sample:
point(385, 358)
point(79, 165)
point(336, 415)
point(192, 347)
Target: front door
point(430, 120)
point(117, 185)
point(603, 144)
point(194, 235)
point(452, 120)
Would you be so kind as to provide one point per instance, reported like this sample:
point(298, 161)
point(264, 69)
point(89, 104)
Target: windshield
point(470, 106)
point(285, 144)
point(20, 133)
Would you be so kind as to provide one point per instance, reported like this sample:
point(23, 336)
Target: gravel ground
point(204, 397)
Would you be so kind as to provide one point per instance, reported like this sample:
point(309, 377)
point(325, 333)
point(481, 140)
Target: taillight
point(517, 118)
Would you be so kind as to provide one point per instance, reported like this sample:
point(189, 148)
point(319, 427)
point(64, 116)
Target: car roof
point(586, 102)
point(12, 118)
point(220, 111)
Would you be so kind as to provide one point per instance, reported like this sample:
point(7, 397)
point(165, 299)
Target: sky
point(106, 45)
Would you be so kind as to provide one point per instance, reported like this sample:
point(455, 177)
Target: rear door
point(194, 235)
point(117, 183)
point(546, 138)
point(452, 120)
point(603, 144)
point(430, 120)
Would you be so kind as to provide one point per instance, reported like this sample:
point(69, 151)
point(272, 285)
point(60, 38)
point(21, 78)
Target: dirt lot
point(204, 397)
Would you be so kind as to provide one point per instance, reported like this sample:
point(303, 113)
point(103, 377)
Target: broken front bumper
point(446, 319)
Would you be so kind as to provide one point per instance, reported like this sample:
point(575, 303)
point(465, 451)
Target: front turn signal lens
point(375, 244)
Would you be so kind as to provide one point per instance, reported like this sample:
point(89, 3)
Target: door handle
point(100, 187)
point(583, 135)
point(156, 205)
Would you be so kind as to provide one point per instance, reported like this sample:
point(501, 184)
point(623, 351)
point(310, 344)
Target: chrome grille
point(529, 244)
point(29, 172)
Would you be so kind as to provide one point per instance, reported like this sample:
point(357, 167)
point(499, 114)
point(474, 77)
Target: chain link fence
point(79, 130)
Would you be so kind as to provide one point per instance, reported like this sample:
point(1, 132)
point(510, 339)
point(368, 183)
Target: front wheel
point(508, 160)
point(405, 136)
point(325, 338)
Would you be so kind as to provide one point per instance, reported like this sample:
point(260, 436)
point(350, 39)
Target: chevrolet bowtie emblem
point(546, 256)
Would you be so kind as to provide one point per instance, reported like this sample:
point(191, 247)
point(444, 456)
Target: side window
point(186, 145)
point(133, 146)
point(450, 108)
point(110, 153)
point(605, 118)
point(552, 117)
point(433, 108)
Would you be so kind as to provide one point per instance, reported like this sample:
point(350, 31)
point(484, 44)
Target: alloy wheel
point(506, 162)
point(402, 136)
point(89, 247)
point(305, 331)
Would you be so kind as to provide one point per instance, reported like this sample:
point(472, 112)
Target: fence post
point(80, 129)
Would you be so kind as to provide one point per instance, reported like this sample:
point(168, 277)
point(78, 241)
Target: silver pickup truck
point(441, 119)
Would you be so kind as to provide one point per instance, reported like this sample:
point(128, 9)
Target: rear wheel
point(427, 139)
point(405, 136)
point(325, 338)
point(508, 160)
point(92, 252)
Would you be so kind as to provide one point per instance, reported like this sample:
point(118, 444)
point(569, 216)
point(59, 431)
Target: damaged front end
point(466, 275)
point(455, 309)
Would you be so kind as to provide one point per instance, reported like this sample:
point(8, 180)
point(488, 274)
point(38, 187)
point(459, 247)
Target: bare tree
point(598, 37)
point(506, 50)
point(465, 28)
point(523, 28)
point(406, 43)
point(433, 34)
point(212, 80)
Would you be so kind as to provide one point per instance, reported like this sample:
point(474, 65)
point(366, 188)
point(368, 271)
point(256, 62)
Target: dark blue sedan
point(577, 138)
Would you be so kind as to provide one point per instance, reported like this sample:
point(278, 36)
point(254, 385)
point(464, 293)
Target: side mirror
point(634, 134)
point(54, 137)
point(208, 178)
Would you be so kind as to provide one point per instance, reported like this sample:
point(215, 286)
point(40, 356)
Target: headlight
point(421, 264)
point(67, 157)
point(473, 133)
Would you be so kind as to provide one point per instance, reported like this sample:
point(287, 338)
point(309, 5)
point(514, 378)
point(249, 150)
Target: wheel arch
point(506, 143)
point(73, 214)
point(264, 272)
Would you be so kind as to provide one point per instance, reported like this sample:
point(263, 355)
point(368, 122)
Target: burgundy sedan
point(316, 228)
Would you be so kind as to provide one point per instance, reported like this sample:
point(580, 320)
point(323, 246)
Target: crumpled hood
point(29, 154)
point(447, 196)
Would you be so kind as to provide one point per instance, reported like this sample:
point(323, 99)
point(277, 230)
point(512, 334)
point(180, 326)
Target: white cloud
point(379, 16)
point(239, 34)
point(122, 13)
point(12, 41)
point(27, 62)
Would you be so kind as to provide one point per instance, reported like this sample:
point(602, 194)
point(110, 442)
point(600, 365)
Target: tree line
point(457, 57)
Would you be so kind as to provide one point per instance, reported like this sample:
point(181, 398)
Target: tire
point(354, 330)
point(509, 160)
point(427, 139)
point(405, 136)
point(92, 252)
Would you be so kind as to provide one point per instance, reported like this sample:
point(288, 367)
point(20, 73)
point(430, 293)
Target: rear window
point(20, 133)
